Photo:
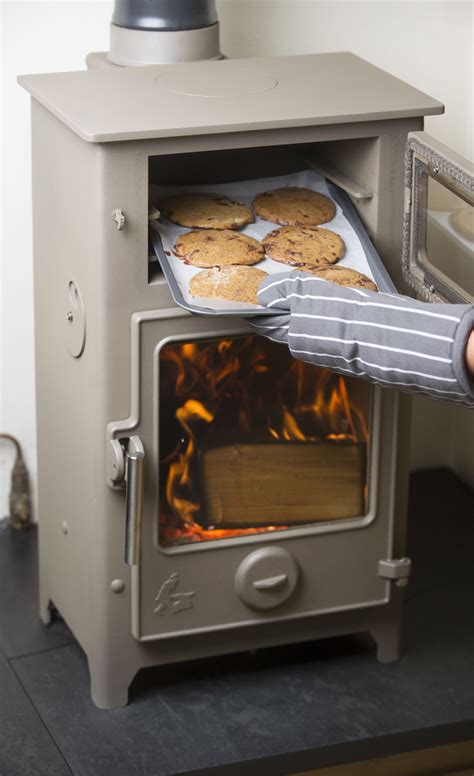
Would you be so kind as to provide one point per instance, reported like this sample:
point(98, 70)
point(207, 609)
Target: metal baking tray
point(380, 274)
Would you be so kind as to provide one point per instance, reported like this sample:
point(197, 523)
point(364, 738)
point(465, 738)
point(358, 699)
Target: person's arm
point(470, 355)
point(389, 339)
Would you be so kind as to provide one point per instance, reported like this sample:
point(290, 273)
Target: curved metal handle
point(134, 506)
point(271, 582)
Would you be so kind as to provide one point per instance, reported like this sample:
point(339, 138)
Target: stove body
point(104, 313)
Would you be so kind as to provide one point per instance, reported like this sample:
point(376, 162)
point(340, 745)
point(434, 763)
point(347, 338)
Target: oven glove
point(389, 339)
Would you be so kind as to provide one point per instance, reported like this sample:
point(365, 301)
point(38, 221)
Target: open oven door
point(438, 235)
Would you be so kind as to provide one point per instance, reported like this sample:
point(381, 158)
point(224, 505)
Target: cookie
point(205, 211)
point(218, 248)
point(297, 245)
point(293, 206)
point(236, 284)
point(342, 276)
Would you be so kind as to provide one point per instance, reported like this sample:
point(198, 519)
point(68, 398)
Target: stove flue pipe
point(149, 32)
point(167, 15)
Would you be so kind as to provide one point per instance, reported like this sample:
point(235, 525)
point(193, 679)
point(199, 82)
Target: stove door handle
point(135, 477)
point(270, 583)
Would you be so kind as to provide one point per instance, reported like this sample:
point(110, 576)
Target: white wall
point(427, 44)
point(37, 37)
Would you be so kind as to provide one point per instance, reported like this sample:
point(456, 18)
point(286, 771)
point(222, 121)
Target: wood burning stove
point(259, 501)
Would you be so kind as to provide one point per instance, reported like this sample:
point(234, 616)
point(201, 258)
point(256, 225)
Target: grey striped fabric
point(389, 339)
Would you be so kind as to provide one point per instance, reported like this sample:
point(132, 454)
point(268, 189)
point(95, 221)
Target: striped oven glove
point(386, 338)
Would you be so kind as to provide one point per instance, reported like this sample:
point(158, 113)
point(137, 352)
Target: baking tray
point(374, 264)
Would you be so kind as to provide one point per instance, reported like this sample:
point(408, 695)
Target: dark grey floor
point(272, 712)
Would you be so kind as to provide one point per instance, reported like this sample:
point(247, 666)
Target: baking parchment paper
point(245, 191)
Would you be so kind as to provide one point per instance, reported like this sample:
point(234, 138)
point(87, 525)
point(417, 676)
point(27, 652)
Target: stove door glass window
point(438, 252)
point(253, 441)
point(449, 237)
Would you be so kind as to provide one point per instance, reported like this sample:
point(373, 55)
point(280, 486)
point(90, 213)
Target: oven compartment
point(312, 568)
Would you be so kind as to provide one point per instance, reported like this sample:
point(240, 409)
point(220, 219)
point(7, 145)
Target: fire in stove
point(253, 441)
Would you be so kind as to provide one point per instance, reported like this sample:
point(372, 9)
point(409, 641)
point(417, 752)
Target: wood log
point(283, 484)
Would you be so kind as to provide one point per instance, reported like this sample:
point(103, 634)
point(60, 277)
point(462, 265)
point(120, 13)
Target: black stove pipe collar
point(164, 15)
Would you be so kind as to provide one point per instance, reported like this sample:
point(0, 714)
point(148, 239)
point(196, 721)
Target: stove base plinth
point(115, 662)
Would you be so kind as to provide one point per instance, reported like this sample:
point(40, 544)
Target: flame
point(290, 428)
point(217, 392)
point(192, 410)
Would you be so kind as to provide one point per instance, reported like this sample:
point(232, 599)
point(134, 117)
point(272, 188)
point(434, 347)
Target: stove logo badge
point(167, 601)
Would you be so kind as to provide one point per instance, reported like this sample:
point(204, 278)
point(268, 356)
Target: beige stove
point(161, 542)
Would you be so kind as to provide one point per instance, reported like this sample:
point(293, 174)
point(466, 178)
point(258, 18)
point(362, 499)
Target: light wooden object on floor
point(449, 760)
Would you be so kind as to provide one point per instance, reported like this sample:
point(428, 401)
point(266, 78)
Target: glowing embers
point(252, 441)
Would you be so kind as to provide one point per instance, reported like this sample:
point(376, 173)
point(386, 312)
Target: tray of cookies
point(217, 243)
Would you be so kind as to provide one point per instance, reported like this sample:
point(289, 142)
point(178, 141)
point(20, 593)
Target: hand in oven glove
point(389, 339)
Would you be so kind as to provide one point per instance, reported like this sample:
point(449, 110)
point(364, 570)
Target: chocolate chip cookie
point(236, 284)
point(342, 276)
point(298, 245)
point(218, 248)
point(294, 206)
point(205, 211)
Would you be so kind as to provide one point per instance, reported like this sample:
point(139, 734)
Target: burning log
point(283, 483)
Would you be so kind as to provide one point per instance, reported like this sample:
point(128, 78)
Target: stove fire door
point(257, 487)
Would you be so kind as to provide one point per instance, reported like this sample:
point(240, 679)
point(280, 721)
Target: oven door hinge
point(396, 569)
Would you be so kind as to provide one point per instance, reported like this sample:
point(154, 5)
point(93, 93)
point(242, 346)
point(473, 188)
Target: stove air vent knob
point(266, 578)
point(74, 320)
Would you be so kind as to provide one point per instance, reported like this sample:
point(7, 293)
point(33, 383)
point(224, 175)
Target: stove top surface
point(227, 95)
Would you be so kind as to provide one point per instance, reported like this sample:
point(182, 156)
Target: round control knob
point(266, 578)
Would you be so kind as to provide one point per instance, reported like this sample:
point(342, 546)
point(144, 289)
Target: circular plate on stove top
point(202, 84)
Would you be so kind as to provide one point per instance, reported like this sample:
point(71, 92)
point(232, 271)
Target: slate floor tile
point(21, 630)
point(288, 699)
point(26, 747)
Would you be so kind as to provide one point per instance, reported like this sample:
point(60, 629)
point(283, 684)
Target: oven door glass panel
point(438, 255)
point(252, 441)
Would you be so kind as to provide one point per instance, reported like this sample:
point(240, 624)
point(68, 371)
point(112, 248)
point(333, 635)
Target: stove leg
point(387, 638)
point(109, 683)
point(45, 613)
point(387, 629)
